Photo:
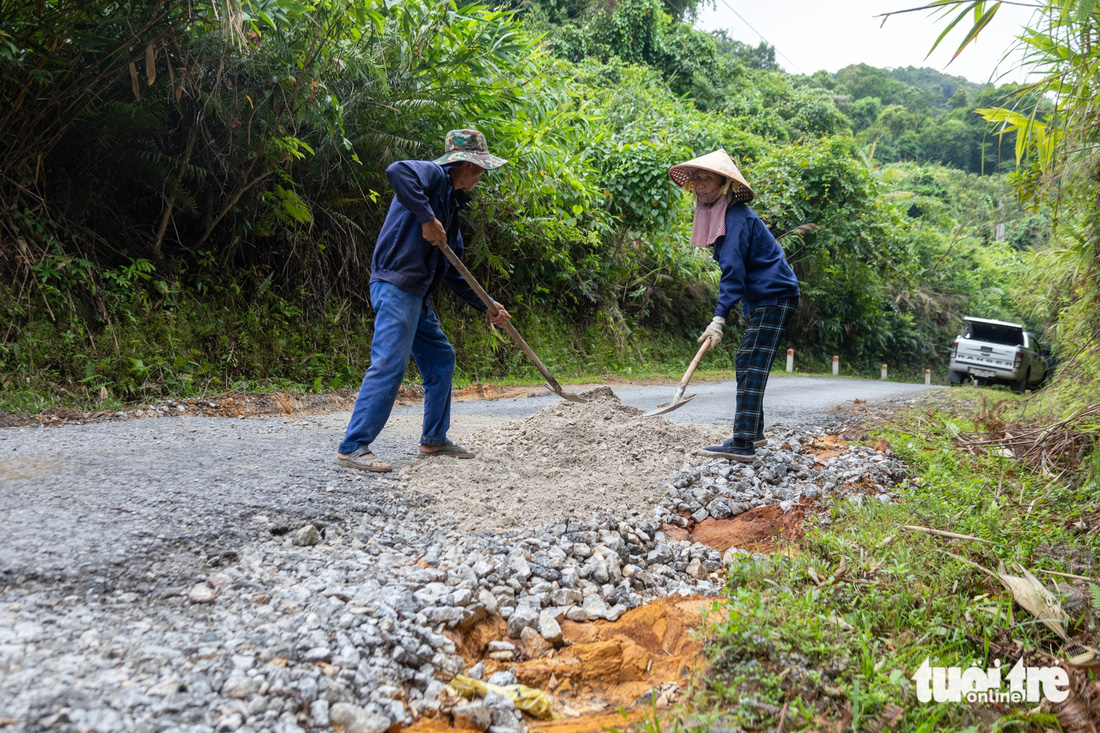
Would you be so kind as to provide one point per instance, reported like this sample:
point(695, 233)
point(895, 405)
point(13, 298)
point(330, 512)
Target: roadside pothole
point(614, 667)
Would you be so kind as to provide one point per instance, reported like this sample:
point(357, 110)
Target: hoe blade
point(669, 407)
point(571, 396)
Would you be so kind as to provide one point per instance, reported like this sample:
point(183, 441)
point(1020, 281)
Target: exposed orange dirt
point(589, 723)
point(473, 642)
point(430, 725)
point(601, 667)
point(607, 665)
point(757, 530)
point(580, 724)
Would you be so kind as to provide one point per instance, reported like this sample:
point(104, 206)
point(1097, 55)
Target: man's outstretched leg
point(435, 358)
point(397, 314)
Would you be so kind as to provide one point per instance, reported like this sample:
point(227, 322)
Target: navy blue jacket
point(423, 191)
point(754, 269)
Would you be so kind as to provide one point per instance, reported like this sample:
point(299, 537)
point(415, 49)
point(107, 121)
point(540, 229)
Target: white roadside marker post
point(927, 377)
point(790, 360)
point(836, 365)
point(883, 371)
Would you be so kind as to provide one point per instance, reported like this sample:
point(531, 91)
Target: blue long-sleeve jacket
point(422, 191)
point(754, 269)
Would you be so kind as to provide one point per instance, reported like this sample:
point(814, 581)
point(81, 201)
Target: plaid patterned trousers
point(754, 362)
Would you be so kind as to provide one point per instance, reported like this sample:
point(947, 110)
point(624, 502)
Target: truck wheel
point(955, 378)
point(1019, 387)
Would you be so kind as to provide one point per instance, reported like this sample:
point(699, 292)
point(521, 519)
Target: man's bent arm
point(407, 188)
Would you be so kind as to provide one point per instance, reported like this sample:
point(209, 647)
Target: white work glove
point(712, 332)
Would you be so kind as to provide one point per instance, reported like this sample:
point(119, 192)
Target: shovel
point(679, 400)
point(551, 383)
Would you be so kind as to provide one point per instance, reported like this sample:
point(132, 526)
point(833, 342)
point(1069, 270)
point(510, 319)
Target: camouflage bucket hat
point(470, 146)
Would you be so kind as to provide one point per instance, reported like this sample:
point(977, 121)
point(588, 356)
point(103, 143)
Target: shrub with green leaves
point(234, 174)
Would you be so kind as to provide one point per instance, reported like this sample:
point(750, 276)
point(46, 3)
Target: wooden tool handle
point(492, 307)
point(695, 362)
point(678, 397)
point(469, 278)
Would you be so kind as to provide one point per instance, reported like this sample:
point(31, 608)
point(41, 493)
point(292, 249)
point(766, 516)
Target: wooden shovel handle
point(492, 307)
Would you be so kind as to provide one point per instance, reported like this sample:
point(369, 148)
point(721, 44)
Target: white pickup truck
point(997, 351)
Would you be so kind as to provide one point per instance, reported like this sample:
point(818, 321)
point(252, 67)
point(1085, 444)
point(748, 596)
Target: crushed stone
point(569, 459)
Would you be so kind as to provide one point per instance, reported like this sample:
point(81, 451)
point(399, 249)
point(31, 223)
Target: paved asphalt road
point(144, 502)
point(788, 400)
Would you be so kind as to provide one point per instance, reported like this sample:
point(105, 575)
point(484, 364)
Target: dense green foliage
point(864, 603)
point(200, 210)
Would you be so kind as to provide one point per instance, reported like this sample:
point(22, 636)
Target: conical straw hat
point(717, 162)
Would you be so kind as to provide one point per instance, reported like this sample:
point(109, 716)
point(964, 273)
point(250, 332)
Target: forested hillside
point(189, 196)
point(922, 115)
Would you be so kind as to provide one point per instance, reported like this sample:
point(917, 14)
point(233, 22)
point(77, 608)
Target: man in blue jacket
point(407, 267)
point(754, 272)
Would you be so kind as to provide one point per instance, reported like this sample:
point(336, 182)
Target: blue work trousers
point(404, 325)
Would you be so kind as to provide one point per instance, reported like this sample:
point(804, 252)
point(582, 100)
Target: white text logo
point(974, 684)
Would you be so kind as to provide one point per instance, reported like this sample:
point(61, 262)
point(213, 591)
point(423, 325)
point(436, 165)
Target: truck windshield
point(995, 333)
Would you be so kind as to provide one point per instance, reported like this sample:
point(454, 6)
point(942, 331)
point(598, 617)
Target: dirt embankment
point(257, 404)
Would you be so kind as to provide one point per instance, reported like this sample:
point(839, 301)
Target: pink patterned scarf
point(710, 218)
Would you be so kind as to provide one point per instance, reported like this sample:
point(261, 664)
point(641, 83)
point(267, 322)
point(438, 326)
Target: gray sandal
point(355, 460)
point(449, 448)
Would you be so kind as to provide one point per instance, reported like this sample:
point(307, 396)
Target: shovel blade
point(571, 396)
point(669, 407)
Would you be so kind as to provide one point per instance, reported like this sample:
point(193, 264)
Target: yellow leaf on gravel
point(536, 703)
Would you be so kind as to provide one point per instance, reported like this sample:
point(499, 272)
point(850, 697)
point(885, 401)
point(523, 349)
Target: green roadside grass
point(788, 651)
point(200, 349)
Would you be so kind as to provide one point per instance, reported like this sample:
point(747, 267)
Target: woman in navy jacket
point(754, 273)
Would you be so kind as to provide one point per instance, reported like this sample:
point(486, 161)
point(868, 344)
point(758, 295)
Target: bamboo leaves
point(134, 81)
point(982, 16)
point(1032, 595)
point(1031, 134)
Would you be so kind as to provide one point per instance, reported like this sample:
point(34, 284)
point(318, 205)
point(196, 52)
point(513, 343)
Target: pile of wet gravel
point(571, 458)
point(796, 467)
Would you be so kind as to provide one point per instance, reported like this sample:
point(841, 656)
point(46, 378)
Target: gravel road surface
point(105, 504)
point(119, 531)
